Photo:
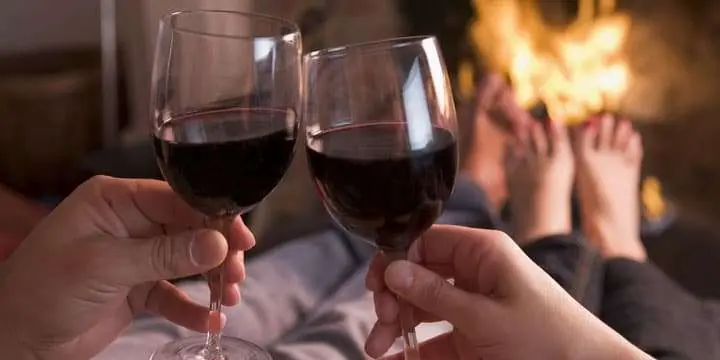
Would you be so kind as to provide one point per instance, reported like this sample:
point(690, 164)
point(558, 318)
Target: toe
point(623, 133)
point(607, 132)
point(559, 136)
point(588, 136)
point(539, 140)
point(634, 150)
point(513, 155)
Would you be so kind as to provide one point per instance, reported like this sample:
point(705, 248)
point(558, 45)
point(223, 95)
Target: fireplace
point(653, 61)
point(650, 60)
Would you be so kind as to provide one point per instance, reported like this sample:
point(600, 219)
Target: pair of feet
point(603, 161)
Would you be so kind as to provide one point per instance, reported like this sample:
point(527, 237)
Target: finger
point(431, 293)
point(375, 279)
point(381, 338)
point(235, 267)
point(142, 207)
point(239, 235)
point(607, 131)
point(386, 307)
point(231, 295)
point(171, 303)
point(8, 244)
point(483, 257)
point(168, 257)
point(441, 347)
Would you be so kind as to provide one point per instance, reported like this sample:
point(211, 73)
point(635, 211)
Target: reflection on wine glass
point(381, 142)
point(225, 99)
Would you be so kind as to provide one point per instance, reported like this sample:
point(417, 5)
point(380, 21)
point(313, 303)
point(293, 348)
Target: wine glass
point(381, 142)
point(225, 101)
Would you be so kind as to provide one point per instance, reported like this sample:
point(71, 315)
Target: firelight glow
point(575, 72)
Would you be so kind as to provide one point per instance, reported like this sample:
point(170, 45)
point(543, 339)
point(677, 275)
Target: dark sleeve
point(574, 265)
point(655, 314)
point(468, 206)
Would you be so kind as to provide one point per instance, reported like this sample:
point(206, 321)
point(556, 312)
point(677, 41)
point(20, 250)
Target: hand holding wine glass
point(126, 237)
point(381, 142)
point(501, 305)
point(226, 94)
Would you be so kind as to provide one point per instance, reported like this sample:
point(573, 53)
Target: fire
point(574, 73)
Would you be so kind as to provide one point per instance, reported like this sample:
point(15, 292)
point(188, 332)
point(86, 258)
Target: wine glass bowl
point(226, 94)
point(381, 142)
point(378, 186)
point(381, 137)
point(224, 162)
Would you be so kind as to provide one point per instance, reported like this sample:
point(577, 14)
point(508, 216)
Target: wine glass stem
point(216, 279)
point(407, 320)
point(213, 339)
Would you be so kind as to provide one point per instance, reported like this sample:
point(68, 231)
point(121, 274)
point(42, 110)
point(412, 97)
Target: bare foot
point(609, 155)
point(540, 176)
point(484, 164)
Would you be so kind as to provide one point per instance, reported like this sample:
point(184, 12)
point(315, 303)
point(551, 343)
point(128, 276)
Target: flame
point(575, 72)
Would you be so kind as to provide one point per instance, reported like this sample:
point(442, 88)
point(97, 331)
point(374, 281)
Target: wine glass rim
point(370, 46)
point(167, 20)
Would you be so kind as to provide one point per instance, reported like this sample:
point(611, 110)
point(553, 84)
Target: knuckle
point(432, 291)
point(98, 181)
point(164, 260)
point(499, 236)
point(94, 185)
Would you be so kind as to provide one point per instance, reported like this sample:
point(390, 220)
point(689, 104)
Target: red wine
point(224, 162)
point(380, 184)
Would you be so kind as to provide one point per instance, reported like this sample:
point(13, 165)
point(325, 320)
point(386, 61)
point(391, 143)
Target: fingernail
point(218, 321)
point(590, 122)
point(399, 275)
point(202, 253)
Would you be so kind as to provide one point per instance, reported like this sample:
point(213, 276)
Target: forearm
point(612, 347)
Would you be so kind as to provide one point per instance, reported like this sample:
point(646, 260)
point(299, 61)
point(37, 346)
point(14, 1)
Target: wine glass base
point(193, 348)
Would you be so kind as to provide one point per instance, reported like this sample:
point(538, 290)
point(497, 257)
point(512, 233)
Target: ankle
point(613, 245)
point(527, 231)
point(634, 253)
point(492, 182)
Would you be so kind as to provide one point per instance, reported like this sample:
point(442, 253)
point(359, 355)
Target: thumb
point(174, 256)
point(428, 291)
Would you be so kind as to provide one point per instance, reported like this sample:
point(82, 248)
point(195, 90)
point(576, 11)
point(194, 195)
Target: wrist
point(613, 346)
